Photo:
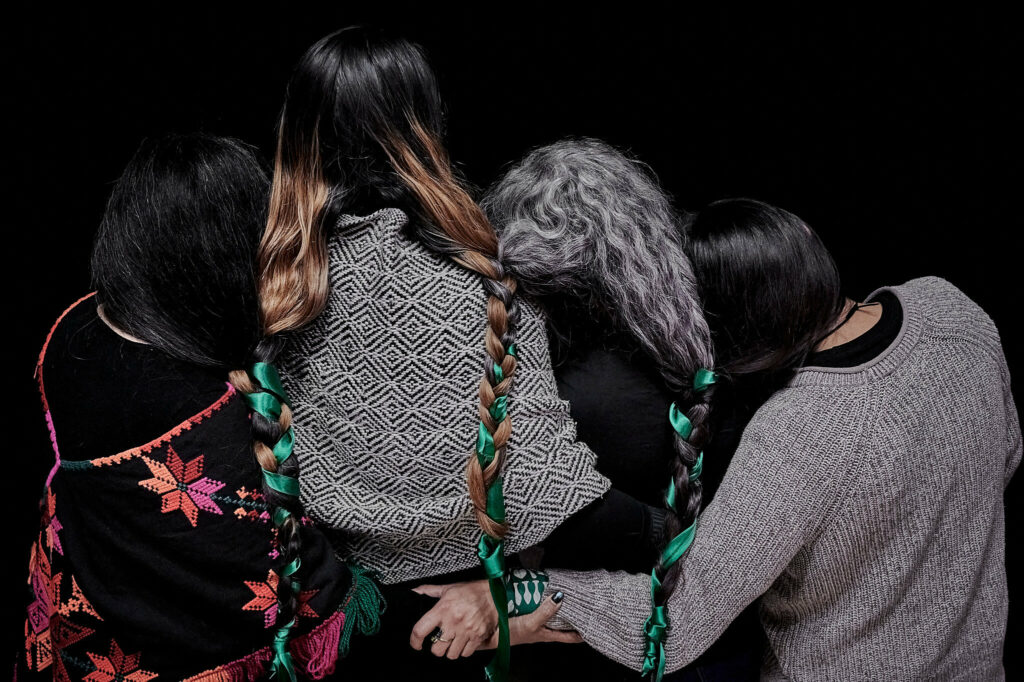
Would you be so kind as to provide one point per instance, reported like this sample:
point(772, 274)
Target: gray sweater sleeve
point(1014, 447)
point(773, 500)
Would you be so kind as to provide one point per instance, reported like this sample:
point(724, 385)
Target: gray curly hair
point(580, 219)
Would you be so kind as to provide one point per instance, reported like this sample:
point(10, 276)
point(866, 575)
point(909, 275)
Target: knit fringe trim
point(315, 653)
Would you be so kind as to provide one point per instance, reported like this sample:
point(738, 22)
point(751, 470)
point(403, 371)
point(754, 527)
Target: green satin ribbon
point(655, 629)
point(680, 422)
point(282, 663)
point(286, 485)
point(268, 402)
point(491, 551)
point(657, 624)
point(703, 378)
point(269, 379)
point(695, 471)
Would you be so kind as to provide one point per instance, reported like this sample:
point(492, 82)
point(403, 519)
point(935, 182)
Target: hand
point(533, 627)
point(464, 613)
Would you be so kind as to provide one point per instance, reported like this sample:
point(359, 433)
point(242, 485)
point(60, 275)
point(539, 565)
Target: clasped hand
point(464, 620)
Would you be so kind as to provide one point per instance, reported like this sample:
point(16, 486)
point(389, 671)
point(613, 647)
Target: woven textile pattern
point(384, 387)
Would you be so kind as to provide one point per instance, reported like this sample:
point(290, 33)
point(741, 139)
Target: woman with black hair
point(864, 503)
point(164, 551)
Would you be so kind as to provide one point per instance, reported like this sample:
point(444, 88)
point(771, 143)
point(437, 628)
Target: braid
point(451, 223)
point(272, 439)
point(499, 340)
point(683, 503)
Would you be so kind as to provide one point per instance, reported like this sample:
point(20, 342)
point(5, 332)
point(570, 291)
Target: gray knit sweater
point(384, 388)
point(865, 504)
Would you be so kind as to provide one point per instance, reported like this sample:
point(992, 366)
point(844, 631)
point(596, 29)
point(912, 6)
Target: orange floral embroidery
point(265, 598)
point(117, 667)
point(180, 487)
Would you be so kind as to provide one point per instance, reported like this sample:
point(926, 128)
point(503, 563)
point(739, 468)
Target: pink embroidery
point(177, 483)
point(53, 440)
point(265, 598)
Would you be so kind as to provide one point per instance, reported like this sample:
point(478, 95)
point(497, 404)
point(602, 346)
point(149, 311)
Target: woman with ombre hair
point(405, 344)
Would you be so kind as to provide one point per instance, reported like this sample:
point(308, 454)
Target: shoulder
point(947, 311)
point(77, 336)
point(75, 319)
point(940, 300)
point(805, 425)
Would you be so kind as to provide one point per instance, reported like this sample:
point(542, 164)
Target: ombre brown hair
point(362, 129)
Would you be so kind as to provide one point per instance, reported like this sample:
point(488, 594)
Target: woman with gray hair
point(591, 236)
point(864, 503)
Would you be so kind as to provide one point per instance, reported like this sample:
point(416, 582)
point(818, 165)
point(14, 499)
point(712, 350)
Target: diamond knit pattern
point(384, 387)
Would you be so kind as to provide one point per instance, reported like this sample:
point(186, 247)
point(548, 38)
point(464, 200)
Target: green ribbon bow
point(491, 551)
point(657, 624)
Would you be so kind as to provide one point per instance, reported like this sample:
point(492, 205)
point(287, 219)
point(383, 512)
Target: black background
point(892, 133)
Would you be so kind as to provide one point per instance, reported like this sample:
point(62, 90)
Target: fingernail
point(558, 597)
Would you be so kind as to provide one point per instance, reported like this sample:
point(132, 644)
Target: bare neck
point(856, 324)
point(123, 334)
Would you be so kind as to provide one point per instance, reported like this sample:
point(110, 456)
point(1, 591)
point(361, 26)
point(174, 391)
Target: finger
point(423, 627)
point(491, 642)
point(431, 590)
point(470, 649)
point(439, 648)
point(543, 613)
point(563, 636)
point(458, 644)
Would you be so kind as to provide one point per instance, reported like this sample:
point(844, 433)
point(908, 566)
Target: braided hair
point(361, 129)
point(588, 231)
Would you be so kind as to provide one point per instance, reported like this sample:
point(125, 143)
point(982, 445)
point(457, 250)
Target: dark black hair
point(770, 288)
point(173, 262)
point(377, 86)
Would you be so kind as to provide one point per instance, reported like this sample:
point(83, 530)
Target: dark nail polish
point(558, 597)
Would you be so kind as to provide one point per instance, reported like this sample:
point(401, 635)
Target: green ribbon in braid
point(491, 551)
point(657, 625)
point(268, 403)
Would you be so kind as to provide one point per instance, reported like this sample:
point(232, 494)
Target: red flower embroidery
point(304, 608)
point(117, 667)
point(179, 484)
point(53, 526)
point(265, 598)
